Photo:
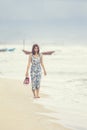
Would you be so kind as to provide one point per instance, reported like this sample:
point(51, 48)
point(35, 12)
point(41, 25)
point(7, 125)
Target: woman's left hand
point(45, 73)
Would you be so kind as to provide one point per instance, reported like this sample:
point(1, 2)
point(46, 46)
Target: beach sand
point(18, 110)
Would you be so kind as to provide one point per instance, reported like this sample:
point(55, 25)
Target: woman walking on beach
point(36, 61)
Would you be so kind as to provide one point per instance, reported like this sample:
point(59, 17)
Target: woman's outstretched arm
point(28, 65)
point(42, 64)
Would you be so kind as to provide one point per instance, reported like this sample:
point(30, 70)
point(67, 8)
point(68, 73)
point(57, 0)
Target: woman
point(36, 59)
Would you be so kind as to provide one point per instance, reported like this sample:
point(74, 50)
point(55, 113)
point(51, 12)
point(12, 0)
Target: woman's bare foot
point(38, 96)
point(35, 97)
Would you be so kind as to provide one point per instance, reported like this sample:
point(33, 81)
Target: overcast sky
point(43, 19)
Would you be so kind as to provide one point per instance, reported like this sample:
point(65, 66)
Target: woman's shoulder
point(30, 54)
point(41, 53)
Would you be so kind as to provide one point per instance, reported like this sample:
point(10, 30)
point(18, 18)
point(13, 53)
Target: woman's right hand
point(26, 74)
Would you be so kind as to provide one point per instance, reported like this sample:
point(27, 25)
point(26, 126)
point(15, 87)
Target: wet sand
point(18, 110)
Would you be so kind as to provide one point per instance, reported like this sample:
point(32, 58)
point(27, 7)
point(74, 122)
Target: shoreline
point(18, 110)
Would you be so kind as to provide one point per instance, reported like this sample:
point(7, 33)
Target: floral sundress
point(35, 72)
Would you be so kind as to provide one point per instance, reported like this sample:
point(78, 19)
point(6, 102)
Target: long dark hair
point(35, 45)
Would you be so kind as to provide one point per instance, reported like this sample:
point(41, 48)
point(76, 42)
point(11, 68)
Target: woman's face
point(36, 49)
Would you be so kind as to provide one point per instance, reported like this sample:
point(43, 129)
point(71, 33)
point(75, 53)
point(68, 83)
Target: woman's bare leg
point(37, 92)
point(34, 92)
